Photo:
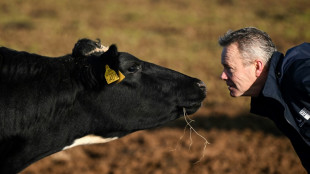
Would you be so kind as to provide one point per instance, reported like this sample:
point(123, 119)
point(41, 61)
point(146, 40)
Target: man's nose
point(224, 76)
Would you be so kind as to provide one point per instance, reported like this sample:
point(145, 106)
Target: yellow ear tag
point(121, 77)
point(110, 75)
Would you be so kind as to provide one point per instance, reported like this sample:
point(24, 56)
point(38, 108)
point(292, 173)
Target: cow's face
point(148, 96)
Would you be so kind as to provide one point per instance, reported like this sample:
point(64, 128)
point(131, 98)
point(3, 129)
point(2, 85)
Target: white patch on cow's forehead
point(89, 139)
point(101, 49)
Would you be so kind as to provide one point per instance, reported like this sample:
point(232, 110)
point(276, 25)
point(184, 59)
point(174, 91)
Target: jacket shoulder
point(296, 61)
point(301, 51)
point(298, 76)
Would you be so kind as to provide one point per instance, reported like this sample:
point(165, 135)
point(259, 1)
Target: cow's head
point(147, 96)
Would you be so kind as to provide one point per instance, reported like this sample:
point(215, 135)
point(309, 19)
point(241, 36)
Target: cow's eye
point(134, 68)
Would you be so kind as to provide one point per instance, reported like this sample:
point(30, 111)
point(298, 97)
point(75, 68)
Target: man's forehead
point(230, 54)
point(225, 58)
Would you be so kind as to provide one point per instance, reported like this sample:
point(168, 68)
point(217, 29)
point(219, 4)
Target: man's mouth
point(229, 86)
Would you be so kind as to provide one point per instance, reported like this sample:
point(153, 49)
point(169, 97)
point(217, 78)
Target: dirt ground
point(244, 144)
point(181, 35)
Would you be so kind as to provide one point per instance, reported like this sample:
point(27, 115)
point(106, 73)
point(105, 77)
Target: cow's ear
point(112, 73)
point(112, 51)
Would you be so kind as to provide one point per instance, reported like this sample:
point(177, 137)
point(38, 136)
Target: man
point(279, 86)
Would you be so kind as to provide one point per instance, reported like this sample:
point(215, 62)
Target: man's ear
point(259, 67)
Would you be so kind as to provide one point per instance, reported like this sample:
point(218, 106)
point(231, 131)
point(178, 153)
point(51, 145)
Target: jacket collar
point(271, 88)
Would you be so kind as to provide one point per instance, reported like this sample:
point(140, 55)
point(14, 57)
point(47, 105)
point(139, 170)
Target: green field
point(179, 34)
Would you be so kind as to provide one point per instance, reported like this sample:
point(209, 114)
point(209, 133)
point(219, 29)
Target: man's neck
point(258, 85)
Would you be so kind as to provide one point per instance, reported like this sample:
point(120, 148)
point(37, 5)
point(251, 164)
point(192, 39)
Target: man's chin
point(234, 94)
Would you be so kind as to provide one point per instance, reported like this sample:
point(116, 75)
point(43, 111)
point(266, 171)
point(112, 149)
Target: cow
point(93, 95)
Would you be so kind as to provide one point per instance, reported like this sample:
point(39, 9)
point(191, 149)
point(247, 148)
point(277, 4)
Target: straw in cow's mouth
point(188, 124)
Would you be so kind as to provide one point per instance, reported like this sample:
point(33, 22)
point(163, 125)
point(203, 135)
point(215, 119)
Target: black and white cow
point(90, 96)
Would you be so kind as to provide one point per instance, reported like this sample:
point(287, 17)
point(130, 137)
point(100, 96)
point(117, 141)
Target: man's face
point(238, 77)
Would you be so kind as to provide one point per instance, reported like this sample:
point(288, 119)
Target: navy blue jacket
point(285, 98)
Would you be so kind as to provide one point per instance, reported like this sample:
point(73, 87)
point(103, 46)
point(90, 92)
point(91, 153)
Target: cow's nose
point(202, 86)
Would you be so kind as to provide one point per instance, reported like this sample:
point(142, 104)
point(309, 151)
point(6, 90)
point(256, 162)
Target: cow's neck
point(28, 154)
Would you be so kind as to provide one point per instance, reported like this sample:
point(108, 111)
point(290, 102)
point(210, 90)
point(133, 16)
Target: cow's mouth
point(192, 108)
point(192, 105)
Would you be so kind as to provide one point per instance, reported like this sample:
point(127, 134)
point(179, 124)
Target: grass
point(178, 34)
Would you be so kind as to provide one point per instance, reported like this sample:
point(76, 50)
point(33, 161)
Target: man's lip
point(229, 85)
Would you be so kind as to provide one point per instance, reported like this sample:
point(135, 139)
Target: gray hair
point(252, 44)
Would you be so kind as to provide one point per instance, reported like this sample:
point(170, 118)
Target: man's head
point(245, 57)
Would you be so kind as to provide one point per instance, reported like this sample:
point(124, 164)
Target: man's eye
point(227, 68)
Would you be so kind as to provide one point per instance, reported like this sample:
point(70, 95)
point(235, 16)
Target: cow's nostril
point(201, 85)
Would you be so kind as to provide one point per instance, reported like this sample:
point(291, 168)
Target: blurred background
point(181, 35)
